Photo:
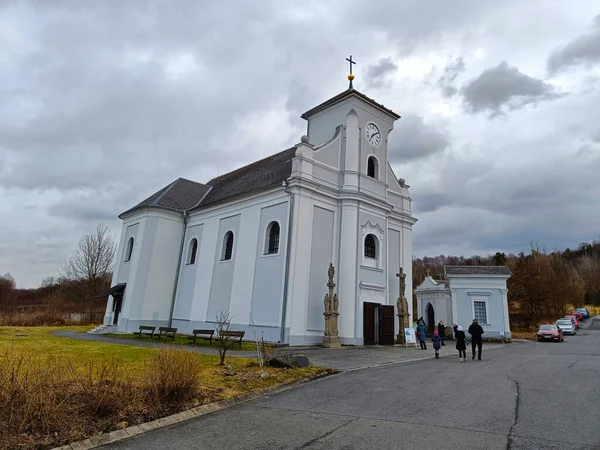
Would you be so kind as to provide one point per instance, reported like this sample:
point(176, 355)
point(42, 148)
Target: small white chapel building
point(258, 241)
point(467, 293)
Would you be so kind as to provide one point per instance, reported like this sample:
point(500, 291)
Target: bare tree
point(92, 263)
point(224, 339)
point(7, 291)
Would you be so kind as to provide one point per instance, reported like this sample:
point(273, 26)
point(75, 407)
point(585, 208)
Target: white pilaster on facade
point(505, 309)
point(347, 282)
point(299, 266)
point(454, 305)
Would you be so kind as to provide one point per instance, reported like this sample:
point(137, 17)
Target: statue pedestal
point(331, 338)
point(331, 342)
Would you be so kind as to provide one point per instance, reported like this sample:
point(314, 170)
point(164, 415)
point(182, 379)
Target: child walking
point(461, 344)
point(436, 340)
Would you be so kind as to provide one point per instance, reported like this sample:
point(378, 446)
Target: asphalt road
point(520, 396)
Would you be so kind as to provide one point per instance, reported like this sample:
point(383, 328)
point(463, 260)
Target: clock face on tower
point(373, 134)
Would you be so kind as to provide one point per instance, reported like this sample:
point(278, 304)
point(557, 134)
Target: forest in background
point(543, 286)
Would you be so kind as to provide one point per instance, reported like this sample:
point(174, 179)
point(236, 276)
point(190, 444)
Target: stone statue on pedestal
point(331, 305)
point(402, 305)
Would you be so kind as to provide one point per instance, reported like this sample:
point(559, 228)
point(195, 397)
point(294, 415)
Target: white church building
point(258, 241)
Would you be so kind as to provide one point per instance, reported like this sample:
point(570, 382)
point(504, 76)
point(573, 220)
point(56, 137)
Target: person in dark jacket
point(475, 330)
point(421, 333)
point(461, 344)
point(436, 340)
point(442, 331)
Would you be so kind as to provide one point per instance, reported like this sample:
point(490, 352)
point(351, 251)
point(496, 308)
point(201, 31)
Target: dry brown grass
point(46, 403)
point(55, 390)
point(526, 333)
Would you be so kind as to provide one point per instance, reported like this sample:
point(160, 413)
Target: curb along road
point(126, 433)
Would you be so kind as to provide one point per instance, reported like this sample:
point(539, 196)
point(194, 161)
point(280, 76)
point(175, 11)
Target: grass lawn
point(183, 340)
point(64, 358)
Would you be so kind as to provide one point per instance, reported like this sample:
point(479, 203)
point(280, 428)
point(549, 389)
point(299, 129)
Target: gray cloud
point(504, 88)
point(452, 70)
point(414, 139)
point(104, 103)
point(378, 72)
point(584, 49)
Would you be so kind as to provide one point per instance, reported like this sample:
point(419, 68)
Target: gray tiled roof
point(343, 95)
point(260, 175)
point(180, 195)
point(183, 195)
point(476, 270)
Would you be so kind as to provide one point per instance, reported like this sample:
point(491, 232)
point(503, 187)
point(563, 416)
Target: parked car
point(584, 311)
point(575, 318)
point(567, 326)
point(578, 314)
point(549, 331)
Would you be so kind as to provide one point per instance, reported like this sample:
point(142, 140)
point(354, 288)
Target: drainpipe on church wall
point(287, 261)
point(185, 221)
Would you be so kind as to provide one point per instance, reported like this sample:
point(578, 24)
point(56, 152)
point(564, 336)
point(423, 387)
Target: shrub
point(173, 377)
point(103, 390)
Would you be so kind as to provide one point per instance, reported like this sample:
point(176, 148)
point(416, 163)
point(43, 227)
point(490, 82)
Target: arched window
point(192, 250)
point(272, 239)
point(370, 246)
point(227, 246)
point(129, 249)
point(373, 167)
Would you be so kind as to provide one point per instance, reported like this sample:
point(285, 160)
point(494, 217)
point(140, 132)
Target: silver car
point(567, 326)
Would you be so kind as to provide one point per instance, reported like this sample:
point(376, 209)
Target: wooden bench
point(168, 332)
point(145, 329)
point(236, 334)
point(205, 334)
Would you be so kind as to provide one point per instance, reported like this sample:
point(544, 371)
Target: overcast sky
point(104, 102)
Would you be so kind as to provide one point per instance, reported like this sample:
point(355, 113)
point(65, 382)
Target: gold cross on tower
point(350, 76)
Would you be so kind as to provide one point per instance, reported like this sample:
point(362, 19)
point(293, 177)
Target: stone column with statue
point(402, 305)
point(331, 305)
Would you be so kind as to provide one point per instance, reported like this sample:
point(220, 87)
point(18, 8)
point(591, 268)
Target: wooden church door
point(386, 325)
point(370, 334)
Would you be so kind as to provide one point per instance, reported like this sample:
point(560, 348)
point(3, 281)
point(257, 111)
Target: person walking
point(436, 340)
point(442, 331)
point(461, 344)
point(475, 330)
point(421, 331)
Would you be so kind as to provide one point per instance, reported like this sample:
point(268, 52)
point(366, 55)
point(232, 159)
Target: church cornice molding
point(340, 195)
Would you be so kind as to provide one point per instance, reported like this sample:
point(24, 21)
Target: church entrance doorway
point(430, 318)
point(378, 324)
point(117, 305)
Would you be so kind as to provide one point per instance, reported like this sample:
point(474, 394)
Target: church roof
point(343, 96)
point(477, 270)
point(183, 195)
point(260, 175)
point(180, 195)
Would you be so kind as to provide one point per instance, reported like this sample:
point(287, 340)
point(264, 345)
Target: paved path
point(521, 396)
point(345, 358)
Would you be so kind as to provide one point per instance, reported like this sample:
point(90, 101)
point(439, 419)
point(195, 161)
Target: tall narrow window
point(272, 238)
point(372, 167)
point(370, 246)
point(227, 246)
point(480, 310)
point(192, 250)
point(129, 249)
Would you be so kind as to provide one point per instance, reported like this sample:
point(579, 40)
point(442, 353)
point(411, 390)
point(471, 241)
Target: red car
point(578, 314)
point(575, 318)
point(549, 331)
